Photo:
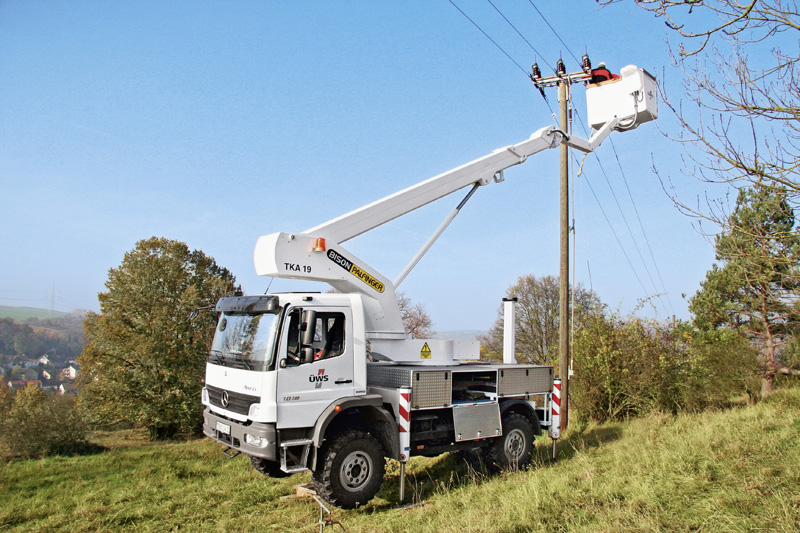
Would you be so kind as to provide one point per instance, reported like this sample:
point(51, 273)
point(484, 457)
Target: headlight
point(204, 396)
point(252, 440)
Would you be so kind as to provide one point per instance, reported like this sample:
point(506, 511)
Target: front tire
point(351, 469)
point(514, 450)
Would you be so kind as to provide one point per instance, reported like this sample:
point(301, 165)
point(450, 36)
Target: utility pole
point(563, 272)
point(563, 81)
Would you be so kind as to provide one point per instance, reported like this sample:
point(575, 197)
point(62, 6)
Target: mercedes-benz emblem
point(225, 399)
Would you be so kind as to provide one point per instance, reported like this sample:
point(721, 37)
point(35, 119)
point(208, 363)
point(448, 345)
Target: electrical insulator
point(560, 68)
point(586, 64)
point(536, 72)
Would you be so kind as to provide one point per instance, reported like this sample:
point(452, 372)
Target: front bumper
point(236, 438)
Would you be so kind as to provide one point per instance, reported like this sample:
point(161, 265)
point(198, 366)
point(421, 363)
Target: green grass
point(22, 313)
point(737, 470)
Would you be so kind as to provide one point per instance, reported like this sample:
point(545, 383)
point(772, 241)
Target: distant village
point(42, 352)
point(19, 371)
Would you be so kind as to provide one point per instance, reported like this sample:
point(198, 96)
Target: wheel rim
point(356, 470)
point(515, 445)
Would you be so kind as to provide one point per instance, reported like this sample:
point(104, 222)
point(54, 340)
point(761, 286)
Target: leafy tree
point(145, 358)
point(40, 425)
point(6, 399)
point(717, 366)
point(537, 319)
point(624, 368)
point(755, 289)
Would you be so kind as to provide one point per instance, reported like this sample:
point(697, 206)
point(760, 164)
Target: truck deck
point(450, 385)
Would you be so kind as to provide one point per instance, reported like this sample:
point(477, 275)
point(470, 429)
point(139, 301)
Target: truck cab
point(277, 362)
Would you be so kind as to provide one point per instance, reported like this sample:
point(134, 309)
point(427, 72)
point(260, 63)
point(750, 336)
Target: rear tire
point(513, 451)
point(350, 469)
point(267, 467)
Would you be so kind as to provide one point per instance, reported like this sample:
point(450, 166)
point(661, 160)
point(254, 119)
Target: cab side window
point(329, 337)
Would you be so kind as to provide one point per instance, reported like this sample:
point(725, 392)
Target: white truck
point(330, 382)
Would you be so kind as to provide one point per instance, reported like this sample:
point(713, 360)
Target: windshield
point(244, 340)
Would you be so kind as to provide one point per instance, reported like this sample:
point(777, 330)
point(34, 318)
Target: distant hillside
point(24, 313)
point(461, 335)
point(34, 332)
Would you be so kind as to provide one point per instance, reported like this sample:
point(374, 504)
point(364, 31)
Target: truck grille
point(237, 402)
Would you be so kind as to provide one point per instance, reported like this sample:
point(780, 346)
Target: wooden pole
point(563, 294)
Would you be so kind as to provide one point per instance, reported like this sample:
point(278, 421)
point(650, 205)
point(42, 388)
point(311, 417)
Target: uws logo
point(318, 379)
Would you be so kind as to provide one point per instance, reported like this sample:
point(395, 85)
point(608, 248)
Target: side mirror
point(307, 329)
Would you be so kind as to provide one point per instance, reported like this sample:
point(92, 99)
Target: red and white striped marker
point(555, 413)
point(404, 424)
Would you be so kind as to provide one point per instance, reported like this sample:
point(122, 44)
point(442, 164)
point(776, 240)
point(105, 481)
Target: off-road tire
point(513, 451)
point(267, 467)
point(350, 469)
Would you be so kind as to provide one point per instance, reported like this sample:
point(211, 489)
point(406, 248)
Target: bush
point(718, 365)
point(630, 367)
point(38, 425)
point(622, 369)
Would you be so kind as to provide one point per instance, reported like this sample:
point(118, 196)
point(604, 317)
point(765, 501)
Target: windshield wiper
point(218, 356)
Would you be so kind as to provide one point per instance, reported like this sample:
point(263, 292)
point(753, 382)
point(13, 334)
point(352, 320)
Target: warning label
point(426, 352)
point(358, 272)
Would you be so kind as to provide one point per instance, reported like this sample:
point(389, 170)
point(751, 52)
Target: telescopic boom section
point(317, 254)
point(481, 171)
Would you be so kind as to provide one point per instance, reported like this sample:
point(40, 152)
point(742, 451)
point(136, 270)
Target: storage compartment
point(474, 386)
point(477, 421)
point(524, 380)
point(430, 389)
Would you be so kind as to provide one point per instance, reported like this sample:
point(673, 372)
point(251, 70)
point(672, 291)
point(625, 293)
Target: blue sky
point(214, 123)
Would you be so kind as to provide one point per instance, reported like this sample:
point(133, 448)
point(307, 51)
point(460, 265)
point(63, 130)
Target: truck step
point(295, 442)
point(295, 469)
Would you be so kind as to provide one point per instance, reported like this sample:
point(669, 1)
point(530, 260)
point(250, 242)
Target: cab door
point(305, 389)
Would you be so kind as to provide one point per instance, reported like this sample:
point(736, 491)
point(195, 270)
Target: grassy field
point(737, 470)
point(21, 313)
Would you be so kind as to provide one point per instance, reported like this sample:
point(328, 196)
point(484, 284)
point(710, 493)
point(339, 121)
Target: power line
point(616, 237)
point(616, 200)
point(625, 220)
point(515, 29)
point(493, 41)
point(641, 226)
point(527, 74)
point(554, 32)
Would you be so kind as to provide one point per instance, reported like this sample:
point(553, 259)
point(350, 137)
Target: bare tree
point(415, 319)
point(536, 320)
point(739, 119)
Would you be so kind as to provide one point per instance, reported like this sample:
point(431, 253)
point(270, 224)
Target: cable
point(614, 233)
point(527, 74)
point(616, 200)
point(515, 29)
point(641, 226)
point(627, 225)
point(554, 32)
point(493, 41)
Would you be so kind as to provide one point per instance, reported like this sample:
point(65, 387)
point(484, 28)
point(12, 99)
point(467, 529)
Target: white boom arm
point(480, 171)
point(316, 254)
